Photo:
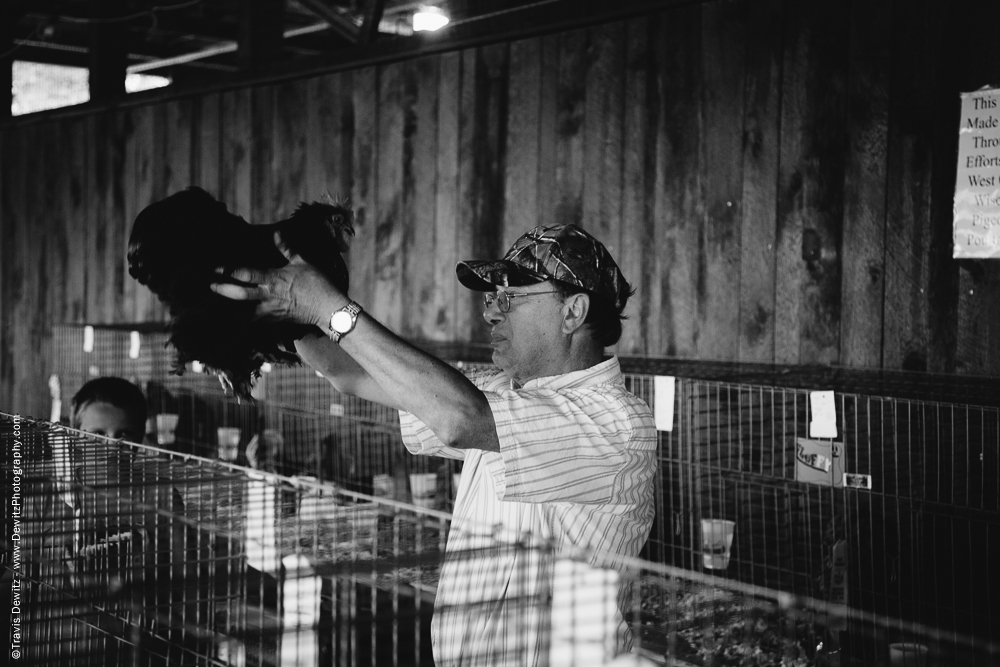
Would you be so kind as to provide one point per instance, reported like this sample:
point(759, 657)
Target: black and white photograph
point(500, 333)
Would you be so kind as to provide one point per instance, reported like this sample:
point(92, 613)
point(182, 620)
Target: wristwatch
point(342, 321)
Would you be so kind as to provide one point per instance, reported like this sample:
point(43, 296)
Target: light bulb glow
point(429, 18)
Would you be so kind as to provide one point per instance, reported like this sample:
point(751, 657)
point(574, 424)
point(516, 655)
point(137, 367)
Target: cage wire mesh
point(143, 556)
point(299, 425)
point(906, 538)
point(897, 516)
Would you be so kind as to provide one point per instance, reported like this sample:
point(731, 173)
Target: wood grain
point(521, 173)
point(207, 145)
point(762, 95)
point(235, 170)
point(262, 205)
point(602, 130)
point(639, 116)
point(724, 35)
point(419, 200)
point(288, 178)
point(679, 204)
point(864, 189)
point(390, 219)
point(366, 160)
point(446, 200)
point(810, 217)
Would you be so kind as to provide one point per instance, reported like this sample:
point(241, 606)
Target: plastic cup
point(907, 654)
point(166, 428)
point(229, 442)
point(385, 487)
point(716, 542)
point(423, 486)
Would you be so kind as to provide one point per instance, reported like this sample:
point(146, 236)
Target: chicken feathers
point(176, 246)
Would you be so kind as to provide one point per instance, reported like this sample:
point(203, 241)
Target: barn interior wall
point(774, 177)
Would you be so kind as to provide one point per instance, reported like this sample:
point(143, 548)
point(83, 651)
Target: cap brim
point(486, 275)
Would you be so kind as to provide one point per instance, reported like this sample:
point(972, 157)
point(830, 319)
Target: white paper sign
point(824, 415)
point(663, 399)
point(976, 226)
point(135, 341)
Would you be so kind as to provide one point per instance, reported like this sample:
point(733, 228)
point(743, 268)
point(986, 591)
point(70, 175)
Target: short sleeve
point(418, 438)
point(591, 445)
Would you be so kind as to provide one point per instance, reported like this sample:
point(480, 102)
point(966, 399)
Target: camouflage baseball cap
point(564, 252)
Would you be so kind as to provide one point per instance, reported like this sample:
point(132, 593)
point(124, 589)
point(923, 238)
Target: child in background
point(104, 538)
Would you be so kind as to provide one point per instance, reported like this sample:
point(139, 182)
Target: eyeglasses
point(503, 298)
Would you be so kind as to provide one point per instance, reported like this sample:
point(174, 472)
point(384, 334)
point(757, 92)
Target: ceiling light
point(429, 18)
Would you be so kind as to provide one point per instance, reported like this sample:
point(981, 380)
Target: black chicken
point(175, 248)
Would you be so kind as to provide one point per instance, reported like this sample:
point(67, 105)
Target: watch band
point(352, 309)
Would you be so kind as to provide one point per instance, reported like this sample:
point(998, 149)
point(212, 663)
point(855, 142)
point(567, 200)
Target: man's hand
point(295, 293)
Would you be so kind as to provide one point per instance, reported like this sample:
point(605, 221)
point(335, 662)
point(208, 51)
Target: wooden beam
point(337, 21)
point(261, 33)
point(107, 50)
point(373, 16)
point(531, 23)
point(7, 21)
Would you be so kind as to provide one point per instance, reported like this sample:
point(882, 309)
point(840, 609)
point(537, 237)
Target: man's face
point(526, 340)
point(111, 421)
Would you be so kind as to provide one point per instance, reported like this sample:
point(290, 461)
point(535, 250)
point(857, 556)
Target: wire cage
point(898, 515)
point(129, 554)
point(908, 534)
point(298, 424)
point(134, 555)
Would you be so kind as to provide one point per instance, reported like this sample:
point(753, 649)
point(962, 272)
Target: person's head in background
point(112, 407)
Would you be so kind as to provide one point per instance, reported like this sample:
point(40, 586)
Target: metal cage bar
point(914, 546)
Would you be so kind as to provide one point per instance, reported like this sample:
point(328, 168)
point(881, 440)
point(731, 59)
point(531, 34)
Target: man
point(553, 445)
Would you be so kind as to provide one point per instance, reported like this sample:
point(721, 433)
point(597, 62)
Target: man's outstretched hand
point(294, 293)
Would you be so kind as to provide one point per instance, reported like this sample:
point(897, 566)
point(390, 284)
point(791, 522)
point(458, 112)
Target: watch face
point(341, 322)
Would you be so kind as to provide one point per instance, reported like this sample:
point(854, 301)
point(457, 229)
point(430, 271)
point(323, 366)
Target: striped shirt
point(575, 469)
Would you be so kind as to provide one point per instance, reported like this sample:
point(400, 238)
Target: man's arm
point(371, 362)
point(340, 369)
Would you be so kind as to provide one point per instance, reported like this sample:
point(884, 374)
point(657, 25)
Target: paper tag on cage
point(819, 462)
point(135, 344)
point(824, 415)
point(852, 481)
point(663, 402)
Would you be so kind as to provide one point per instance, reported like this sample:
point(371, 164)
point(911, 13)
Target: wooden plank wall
point(774, 176)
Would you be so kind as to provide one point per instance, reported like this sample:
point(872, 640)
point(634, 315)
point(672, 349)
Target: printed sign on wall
point(977, 188)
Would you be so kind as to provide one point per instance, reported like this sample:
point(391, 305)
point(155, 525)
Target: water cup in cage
point(456, 481)
point(229, 442)
point(385, 486)
point(166, 428)
point(908, 654)
point(423, 486)
point(716, 542)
